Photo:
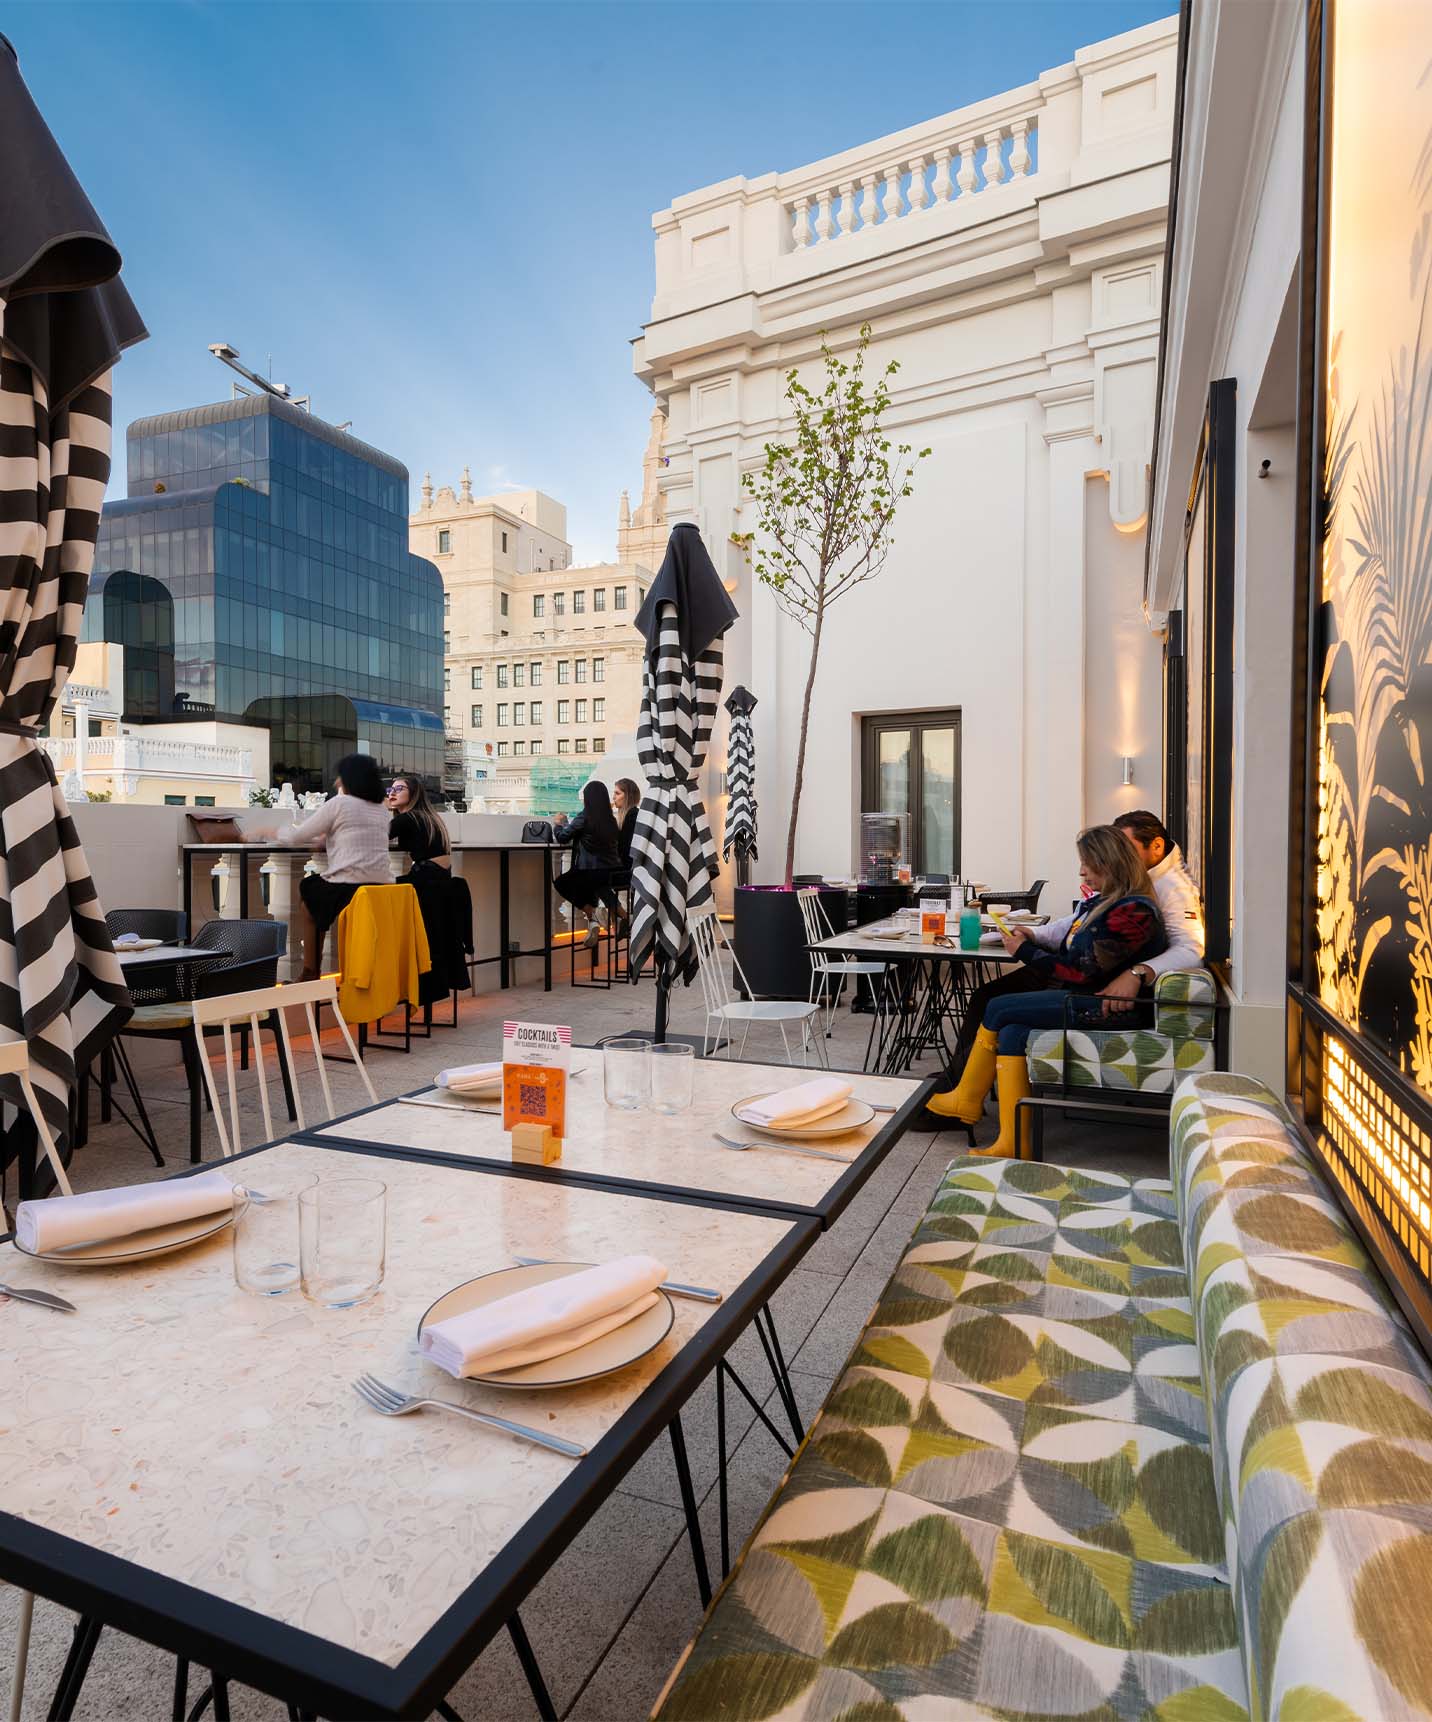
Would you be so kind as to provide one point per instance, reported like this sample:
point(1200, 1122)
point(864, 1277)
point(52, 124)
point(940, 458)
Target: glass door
point(911, 764)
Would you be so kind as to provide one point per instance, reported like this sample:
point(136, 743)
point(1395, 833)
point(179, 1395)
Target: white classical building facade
point(1009, 256)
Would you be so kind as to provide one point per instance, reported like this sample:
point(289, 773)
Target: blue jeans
point(1015, 1016)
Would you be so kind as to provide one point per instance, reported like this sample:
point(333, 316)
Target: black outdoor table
point(504, 957)
point(935, 983)
point(243, 1509)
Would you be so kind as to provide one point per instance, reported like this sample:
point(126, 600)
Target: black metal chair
point(246, 955)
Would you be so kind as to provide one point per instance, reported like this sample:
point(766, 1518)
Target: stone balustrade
point(991, 173)
point(961, 165)
point(153, 755)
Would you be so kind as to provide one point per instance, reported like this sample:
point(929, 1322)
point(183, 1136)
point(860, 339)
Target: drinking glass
point(626, 1074)
point(343, 1233)
point(266, 1234)
point(673, 1070)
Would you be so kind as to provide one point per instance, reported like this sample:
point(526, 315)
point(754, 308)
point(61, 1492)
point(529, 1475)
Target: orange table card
point(536, 1059)
point(932, 925)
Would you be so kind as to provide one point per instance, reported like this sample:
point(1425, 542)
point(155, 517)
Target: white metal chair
point(724, 1009)
point(15, 1062)
point(829, 974)
point(251, 1010)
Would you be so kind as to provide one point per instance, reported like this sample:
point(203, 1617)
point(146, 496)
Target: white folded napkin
point(803, 1104)
point(545, 1320)
point(470, 1078)
point(99, 1215)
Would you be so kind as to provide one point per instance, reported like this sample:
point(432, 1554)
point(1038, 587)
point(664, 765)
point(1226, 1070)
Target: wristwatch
point(1143, 971)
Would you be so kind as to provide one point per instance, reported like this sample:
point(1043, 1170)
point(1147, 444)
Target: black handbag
point(537, 831)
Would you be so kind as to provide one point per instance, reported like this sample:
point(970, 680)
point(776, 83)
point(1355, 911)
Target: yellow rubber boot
point(965, 1103)
point(1012, 1081)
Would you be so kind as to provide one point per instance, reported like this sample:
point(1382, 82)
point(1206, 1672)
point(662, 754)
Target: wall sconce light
point(1128, 765)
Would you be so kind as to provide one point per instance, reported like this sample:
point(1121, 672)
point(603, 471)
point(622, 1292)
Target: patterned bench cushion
point(1320, 1410)
point(1006, 1508)
point(1144, 1060)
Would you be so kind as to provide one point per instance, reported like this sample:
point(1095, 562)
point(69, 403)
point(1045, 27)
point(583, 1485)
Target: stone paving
point(609, 1620)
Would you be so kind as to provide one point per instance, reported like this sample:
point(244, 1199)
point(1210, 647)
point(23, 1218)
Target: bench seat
point(1107, 1448)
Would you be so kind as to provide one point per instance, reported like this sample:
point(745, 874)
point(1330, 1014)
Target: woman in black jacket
point(596, 842)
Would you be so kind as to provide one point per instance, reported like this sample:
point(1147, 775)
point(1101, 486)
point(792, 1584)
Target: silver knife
point(46, 1300)
point(698, 1294)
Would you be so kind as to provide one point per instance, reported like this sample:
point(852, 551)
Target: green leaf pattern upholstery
point(1148, 1060)
point(1107, 1448)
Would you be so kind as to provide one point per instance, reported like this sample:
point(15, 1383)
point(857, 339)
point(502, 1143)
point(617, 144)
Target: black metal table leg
point(181, 1688)
point(545, 1707)
point(546, 922)
point(721, 1491)
point(688, 1503)
point(781, 1375)
point(72, 1675)
point(504, 918)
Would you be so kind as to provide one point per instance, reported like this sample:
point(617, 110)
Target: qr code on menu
point(532, 1099)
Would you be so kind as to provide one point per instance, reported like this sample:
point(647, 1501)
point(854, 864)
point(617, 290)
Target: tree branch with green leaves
point(825, 503)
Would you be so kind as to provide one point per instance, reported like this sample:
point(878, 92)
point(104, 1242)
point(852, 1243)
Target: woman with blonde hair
point(1119, 926)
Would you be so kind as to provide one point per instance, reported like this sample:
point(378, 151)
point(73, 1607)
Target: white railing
point(961, 165)
point(153, 756)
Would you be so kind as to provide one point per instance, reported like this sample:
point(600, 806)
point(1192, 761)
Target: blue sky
point(437, 218)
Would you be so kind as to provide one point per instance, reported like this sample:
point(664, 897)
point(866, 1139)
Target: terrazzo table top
point(858, 942)
point(199, 1455)
point(661, 1153)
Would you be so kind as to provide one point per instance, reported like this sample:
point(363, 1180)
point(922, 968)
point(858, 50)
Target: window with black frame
point(1198, 676)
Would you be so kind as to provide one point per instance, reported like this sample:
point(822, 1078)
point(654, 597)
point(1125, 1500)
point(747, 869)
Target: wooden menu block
point(535, 1145)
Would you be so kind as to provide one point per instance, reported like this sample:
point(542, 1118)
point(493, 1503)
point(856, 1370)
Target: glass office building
point(259, 572)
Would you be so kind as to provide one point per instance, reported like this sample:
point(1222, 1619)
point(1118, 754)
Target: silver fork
point(391, 1403)
point(781, 1148)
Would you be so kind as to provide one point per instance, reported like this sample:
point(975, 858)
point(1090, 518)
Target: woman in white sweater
point(352, 829)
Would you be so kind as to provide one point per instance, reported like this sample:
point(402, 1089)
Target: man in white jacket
point(1177, 897)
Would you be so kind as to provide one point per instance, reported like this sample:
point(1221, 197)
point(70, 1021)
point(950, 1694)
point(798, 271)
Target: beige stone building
point(541, 658)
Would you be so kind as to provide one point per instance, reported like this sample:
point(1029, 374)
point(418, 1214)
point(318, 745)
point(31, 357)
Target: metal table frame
point(827, 1210)
point(316, 1675)
point(933, 984)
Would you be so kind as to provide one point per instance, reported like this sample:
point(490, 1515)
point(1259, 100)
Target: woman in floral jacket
point(1121, 925)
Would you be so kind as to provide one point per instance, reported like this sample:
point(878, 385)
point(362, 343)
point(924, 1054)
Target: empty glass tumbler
point(673, 1070)
point(343, 1229)
point(266, 1234)
point(626, 1074)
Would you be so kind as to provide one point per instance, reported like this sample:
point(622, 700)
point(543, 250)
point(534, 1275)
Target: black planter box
point(770, 938)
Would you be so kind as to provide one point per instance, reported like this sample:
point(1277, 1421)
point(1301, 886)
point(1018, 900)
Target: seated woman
point(1119, 926)
point(626, 800)
point(415, 825)
point(352, 828)
point(593, 834)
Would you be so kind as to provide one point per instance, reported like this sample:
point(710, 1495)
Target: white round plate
point(138, 1246)
point(137, 945)
point(892, 933)
point(850, 1117)
point(482, 1096)
point(614, 1350)
point(993, 940)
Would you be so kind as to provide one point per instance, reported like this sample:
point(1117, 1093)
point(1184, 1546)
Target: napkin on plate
point(544, 1320)
point(99, 1215)
point(126, 941)
point(470, 1078)
point(806, 1103)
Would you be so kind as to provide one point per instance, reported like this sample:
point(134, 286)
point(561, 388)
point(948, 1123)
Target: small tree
point(825, 502)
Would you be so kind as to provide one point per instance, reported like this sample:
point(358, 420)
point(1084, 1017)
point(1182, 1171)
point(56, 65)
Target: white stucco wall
point(1023, 313)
